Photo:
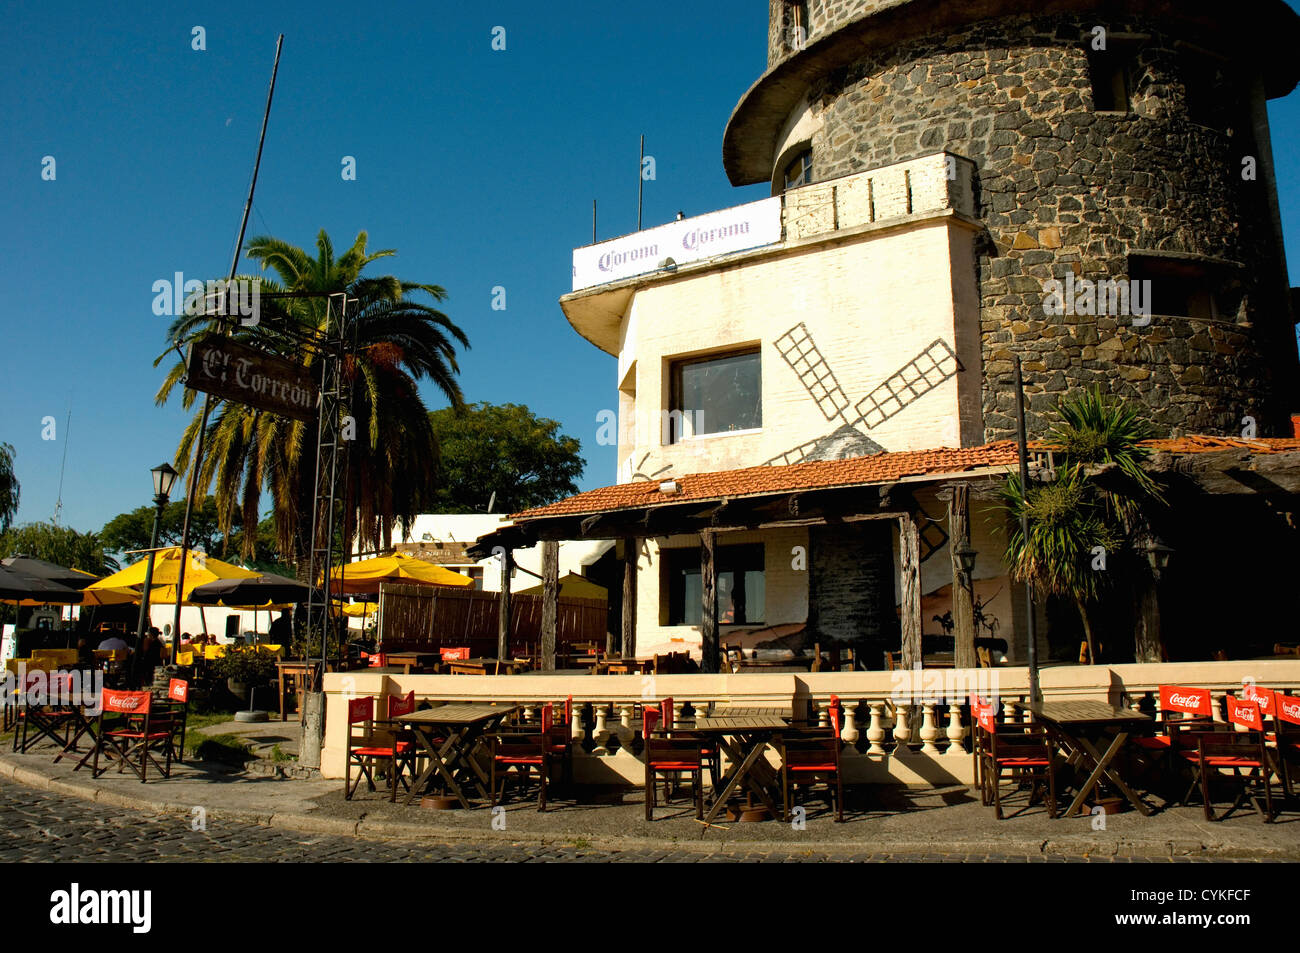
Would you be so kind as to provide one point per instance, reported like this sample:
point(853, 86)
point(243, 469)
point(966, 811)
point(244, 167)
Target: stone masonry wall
point(851, 587)
point(1063, 188)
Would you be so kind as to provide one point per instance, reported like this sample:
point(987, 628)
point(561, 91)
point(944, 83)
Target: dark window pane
point(718, 396)
point(741, 594)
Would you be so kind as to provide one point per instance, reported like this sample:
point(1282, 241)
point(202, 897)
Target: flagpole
point(197, 463)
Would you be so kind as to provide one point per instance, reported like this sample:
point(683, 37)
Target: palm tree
point(9, 490)
point(1100, 498)
point(391, 466)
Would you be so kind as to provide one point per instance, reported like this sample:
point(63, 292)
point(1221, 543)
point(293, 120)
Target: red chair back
point(401, 705)
point(649, 721)
point(568, 710)
point(985, 717)
point(361, 709)
point(836, 713)
point(454, 654)
point(126, 703)
point(666, 709)
point(1245, 713)
point(1189, 701)
point(1261, 696)
point(178, 690)
point(378, 659)
point(1288, 708)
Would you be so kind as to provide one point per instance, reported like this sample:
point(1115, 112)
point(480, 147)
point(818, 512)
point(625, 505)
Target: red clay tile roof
point(1201, 443)
point(752, 481)
point(856, 471)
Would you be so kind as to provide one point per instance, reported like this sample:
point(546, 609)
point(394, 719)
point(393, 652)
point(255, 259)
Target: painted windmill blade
point(922, 374)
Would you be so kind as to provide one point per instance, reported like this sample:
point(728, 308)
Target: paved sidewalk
point(938, 824)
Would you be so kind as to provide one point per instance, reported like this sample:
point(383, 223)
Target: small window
point(1187, 289)
point(799, 171)
point(796, 36)
point(716, 395)
point(475, 573)
point(742, 591)
point(1112, 72)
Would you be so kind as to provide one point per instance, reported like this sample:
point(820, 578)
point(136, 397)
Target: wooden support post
point(963, 588)
point(550, 593)
point(709, 617)
point(503, 607)
point(629, 597)
point(909, 548)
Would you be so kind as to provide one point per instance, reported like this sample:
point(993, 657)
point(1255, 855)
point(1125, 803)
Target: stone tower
point(1124, 141)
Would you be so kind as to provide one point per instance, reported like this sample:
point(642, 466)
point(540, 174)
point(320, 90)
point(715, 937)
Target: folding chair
point(1286, 738)
point(136, 737)
point(372, 747)
point(1025, 750)
point(523, 751)
point(177, 702)
point(43, 707)
point(671, 757)
point(1185, 710)
point(812, 754)
point(1243, 753)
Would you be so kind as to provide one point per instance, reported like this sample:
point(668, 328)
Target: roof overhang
point(1267, 37)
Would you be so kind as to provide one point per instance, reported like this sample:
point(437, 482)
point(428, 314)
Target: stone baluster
point(876, 729)
point(626, 733)
point(849, 730)
point(902, 731)
point(1009, 711)
point(575, 725)
point(702, 708)
point(600, 734)
point(823, 716)
point(929, 730)
point(956, 732)
point(677, 711)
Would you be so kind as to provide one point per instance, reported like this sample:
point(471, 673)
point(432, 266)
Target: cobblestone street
point(43, 827)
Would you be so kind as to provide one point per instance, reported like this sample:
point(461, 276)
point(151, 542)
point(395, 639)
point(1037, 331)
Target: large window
point(716, 395)
point(1188, 288)
point(741, 589)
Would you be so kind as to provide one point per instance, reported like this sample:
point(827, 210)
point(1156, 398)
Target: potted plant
point(244, 667)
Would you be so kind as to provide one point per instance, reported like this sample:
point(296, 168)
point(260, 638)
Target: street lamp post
point(164, 478)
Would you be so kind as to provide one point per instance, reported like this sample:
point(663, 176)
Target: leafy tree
point(1101, 497)
point(506, 449)
point(399, 341)
point(60, 545)
point(9, 489)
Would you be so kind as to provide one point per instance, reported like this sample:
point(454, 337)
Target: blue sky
point(478, 166)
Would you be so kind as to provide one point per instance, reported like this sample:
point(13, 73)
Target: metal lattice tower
point(330, 459)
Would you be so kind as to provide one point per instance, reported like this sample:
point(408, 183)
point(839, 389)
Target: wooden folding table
point(449, 737)
point(743, 736)
point(1083, 728)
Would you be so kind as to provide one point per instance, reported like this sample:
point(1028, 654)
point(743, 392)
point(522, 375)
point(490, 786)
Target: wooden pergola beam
point(709, 617)
point(550, 595)
point(629, 597)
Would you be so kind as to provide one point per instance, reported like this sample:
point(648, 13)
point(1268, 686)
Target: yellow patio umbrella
point(360, 609)
point(573, 586)
point(366, 575)
point(201, 569)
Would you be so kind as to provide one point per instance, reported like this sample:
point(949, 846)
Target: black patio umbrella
point(266, 589)
point(17, 586)
point(50, 572)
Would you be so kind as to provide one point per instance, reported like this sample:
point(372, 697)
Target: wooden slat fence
point(416, 618)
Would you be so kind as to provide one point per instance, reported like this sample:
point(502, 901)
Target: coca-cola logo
point(130, 702)
point(1187, 701)
point(1290, 708)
